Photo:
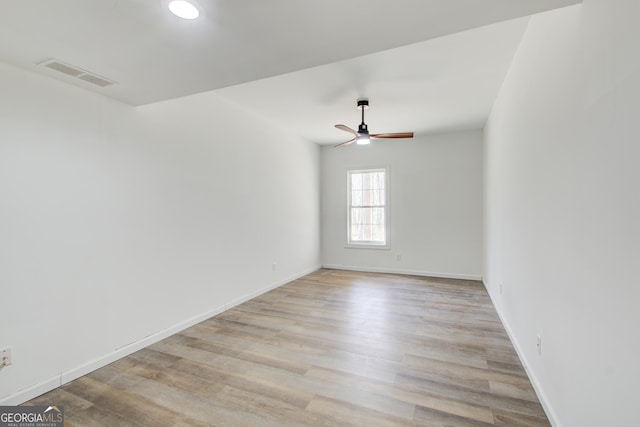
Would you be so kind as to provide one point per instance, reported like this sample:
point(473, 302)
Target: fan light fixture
point(362, 136)
point(363, 140)
point(184, 9)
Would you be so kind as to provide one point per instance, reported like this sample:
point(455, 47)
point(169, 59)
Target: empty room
point(290, 213)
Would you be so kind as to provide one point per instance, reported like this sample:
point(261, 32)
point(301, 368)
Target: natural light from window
point(367, 214)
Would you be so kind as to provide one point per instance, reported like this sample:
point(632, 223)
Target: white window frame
point(369, 244)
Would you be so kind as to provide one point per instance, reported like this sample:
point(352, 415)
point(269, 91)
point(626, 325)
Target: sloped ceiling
point(299, 63)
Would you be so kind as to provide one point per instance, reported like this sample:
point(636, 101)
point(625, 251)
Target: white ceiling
point(298, 63)
point(440, 85)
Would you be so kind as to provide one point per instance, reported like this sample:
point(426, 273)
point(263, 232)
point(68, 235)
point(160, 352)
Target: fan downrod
point(363, 104)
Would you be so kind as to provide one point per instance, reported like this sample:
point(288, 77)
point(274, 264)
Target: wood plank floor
point(333, 348)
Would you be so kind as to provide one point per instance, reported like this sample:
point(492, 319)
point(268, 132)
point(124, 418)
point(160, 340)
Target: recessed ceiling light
point(184, 9)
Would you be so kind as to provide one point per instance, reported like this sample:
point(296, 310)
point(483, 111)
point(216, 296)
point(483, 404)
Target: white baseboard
point(90, 366)
point(542, 397)
point(252, 295)
point(401, 271)
point(31, 392)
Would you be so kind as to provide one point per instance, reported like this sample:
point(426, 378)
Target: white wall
point(562, 198)
point(118, 223)
point(435, 206)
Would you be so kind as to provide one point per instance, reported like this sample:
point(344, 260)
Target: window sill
point(366, 246)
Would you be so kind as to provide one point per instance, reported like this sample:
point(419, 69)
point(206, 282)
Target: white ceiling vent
point(96, 80)
point(74, 71)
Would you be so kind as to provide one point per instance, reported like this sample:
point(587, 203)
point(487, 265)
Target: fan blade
point(392, 135)
point(347, 129)
point(346, 143)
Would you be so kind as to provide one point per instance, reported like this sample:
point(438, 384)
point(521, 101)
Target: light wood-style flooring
point(333, 348)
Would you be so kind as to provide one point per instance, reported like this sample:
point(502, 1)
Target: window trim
point(368, 245)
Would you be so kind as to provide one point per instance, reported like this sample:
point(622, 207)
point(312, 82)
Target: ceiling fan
point(362, 136)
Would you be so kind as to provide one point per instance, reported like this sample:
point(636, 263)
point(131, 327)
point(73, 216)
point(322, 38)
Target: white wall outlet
point(273, 267)
point(6, 358)
point(500, 288)
point(398, 257)
point(539, 345)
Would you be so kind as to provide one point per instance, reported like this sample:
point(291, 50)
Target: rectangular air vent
point(92, 78)
point(63, 68)
point(77, 72)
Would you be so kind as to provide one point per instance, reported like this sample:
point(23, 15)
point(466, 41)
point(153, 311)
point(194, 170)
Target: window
point(367, 216)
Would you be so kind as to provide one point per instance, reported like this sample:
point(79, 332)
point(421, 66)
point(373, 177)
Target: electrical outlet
point(398, 257)
point(500, 288)
point(273, 267)
point(5, 357)
point(539, 345)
